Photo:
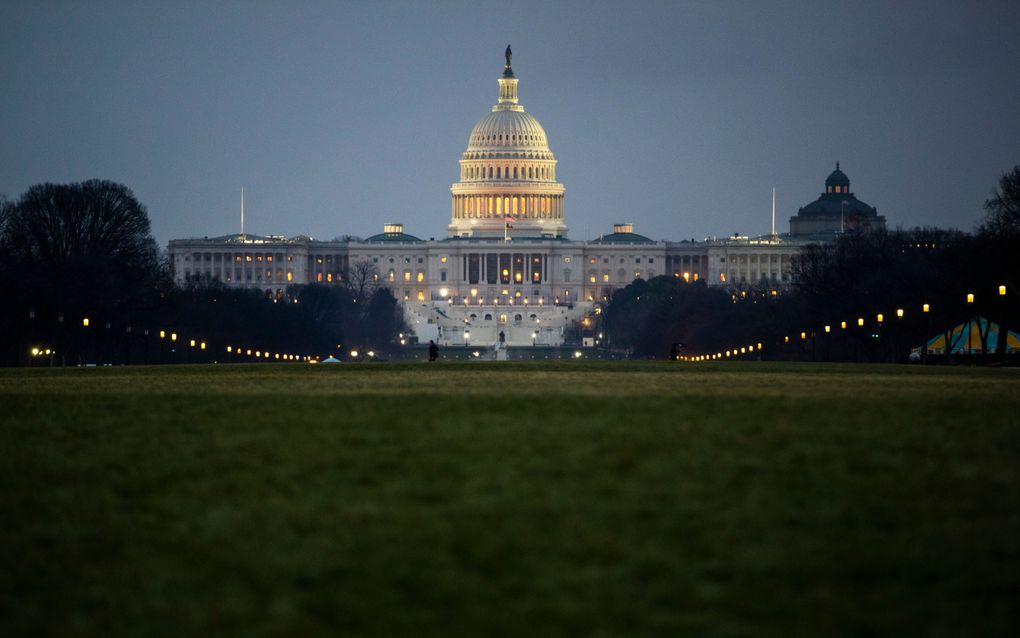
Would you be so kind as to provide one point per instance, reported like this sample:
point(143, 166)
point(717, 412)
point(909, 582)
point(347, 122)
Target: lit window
point(442, 259)
point(421, 276)
point(605, 277)
point(407, 275)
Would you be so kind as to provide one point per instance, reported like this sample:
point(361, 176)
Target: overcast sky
point(679, 117)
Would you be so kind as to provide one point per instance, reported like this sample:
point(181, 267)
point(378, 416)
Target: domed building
point(507, 181)
point(836, 211)
point(506, 273)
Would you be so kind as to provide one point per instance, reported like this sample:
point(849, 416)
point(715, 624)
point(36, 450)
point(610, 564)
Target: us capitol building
point(506, 264)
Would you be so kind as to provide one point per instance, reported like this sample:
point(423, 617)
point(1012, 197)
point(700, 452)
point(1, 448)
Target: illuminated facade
point(506, 265)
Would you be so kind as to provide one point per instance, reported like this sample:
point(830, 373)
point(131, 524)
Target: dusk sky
point(679, 117)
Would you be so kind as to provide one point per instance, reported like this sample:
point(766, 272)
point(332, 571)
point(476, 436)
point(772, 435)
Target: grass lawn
point(483, 499)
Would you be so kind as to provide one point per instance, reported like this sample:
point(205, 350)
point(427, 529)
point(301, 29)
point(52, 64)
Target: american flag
point(509, 221)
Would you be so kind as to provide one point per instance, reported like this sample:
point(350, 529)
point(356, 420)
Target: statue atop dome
point(508, 71)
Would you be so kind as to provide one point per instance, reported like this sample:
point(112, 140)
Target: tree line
point(84, 251)
point(858, 276)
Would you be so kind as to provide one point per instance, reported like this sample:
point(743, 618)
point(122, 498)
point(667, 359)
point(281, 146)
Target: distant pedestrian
point(502, 339)
point(433, 350)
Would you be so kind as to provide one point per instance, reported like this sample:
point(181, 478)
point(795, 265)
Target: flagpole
point(773, 212)
point(242, 214)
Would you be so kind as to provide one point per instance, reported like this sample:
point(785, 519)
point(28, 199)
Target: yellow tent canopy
point(966, 338)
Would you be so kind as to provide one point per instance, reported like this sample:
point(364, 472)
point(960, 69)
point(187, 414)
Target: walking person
point(433, 350)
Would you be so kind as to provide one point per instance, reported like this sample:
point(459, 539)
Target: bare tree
point(1003, 209)
point(361, 279)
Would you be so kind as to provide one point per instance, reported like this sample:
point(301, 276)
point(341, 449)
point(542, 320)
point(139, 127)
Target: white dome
point(501, 129)
point(507, 173)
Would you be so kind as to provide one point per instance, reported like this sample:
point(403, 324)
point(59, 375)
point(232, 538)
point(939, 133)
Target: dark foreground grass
point(520, 499)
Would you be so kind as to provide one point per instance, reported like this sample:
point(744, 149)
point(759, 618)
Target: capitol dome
point(507, 181)
point(501, 129)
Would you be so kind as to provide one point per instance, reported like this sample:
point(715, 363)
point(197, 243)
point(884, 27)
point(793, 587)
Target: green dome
point(837, 178)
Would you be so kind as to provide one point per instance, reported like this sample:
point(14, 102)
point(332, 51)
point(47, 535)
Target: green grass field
point(553, 499)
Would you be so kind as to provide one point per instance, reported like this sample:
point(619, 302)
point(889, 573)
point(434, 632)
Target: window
point(442, 275)
point(421, 276)
point(407, 275)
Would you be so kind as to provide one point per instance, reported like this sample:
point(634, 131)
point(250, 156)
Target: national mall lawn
point(487, 499)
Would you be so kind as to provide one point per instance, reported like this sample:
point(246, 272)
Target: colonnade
point(510, 171)
point(497, 206)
